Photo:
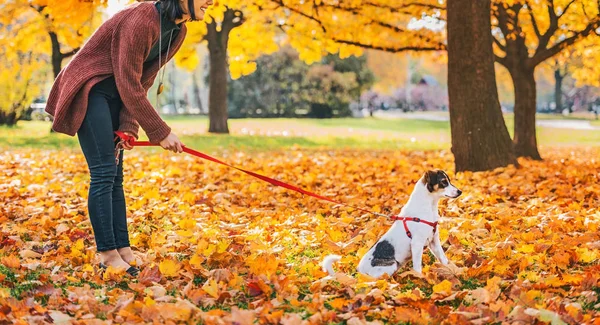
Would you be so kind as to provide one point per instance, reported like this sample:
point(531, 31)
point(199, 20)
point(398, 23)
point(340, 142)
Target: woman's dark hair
point(174, 10)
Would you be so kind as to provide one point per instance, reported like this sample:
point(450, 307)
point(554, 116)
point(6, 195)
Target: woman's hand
point(126, 145)
point(172, 142)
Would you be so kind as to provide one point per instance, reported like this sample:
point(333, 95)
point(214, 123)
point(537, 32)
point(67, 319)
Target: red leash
point(133, 142)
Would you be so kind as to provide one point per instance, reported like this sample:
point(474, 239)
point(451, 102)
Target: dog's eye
point(444, 183)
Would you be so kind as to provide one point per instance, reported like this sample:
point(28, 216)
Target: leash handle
point(124, 138)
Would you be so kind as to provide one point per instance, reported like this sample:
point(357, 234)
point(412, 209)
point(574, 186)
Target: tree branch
point(501, 60)
point(403, 7)
point(566, 8)
point(238, 14)
point(499, 44)
point(390, 49)
point(70, 53)
point(356, 11)
point(281, 4)
point(543, 43)
point(502, 17)
point(536, 29)
point(542, 55)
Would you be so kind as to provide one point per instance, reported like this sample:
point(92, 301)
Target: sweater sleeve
point(131, 42)
point(127, 123)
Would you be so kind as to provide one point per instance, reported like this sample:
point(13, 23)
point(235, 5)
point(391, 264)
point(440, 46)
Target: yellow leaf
point(196, 261)
point(337, 303)
point(586, 255)
point(526, 248)
point(444, 287)
point(169, 267)
point(187, 224)
point(222, 246)
point(149, 301)
point(212, 288)
point(209, 250)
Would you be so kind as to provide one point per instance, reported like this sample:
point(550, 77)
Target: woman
point(103, 89)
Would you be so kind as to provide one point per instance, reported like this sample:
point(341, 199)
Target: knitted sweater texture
point(119, 47)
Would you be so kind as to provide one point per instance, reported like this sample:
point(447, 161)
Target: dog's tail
point(328, 263)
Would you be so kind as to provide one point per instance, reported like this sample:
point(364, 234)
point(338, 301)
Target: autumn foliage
point(223, 248)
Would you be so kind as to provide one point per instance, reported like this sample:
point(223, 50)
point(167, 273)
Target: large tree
point(527, 33)
point(474, 106)
point(480, 138)
point(21, 77)
point(236, 35)
point(218, 37)
point(66, 24)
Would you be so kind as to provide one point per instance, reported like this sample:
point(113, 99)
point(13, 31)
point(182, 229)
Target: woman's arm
point(127, 123)
point(131, 43)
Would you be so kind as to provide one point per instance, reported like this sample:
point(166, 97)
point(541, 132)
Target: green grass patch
point(343, 133)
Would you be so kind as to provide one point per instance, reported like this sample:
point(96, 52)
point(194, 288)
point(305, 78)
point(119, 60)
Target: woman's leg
point(96, 140)
point(118, 199)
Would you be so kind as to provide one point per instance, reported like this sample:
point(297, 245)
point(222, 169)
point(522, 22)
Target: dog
point(415, 227)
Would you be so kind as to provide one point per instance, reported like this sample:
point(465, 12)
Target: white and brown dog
point(414, 228)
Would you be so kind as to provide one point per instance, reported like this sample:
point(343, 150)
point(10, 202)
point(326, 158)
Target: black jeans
point(106, 200)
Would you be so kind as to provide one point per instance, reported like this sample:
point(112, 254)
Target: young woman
point(102, 90)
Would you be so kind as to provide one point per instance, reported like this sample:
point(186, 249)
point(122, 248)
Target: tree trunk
point(217, 49)
point(57, 57)
point(525, 139)
point(558, 78)
point(197, 94)
point(480, 139)
point(8, 119)
point(217, 95)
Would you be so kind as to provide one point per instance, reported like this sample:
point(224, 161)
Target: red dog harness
point(405, 219)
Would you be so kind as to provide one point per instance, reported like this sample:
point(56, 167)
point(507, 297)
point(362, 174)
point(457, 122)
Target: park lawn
point(277, 134)
point(223, 247)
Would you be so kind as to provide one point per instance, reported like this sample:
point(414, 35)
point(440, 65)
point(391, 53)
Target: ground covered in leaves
point(221, 247)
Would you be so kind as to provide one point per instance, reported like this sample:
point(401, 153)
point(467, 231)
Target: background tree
point(528, 33)
point(22, 75)
point(386, 26)
point(232, 31)
point(285, 86)
point(65, 24)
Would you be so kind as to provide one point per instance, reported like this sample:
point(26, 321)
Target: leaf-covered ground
point(224, 248)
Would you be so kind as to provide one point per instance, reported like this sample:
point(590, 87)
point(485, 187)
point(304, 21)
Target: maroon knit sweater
point(119, 47)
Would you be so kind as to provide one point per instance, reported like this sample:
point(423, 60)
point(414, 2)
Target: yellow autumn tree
point(22, 75)
point(586, 55)
point(63, 24)
point(244, 30)
point(236, 34)
point(527, 33)
point(349, 26)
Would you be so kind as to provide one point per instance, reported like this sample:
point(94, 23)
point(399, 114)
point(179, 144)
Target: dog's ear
point(430, 179)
